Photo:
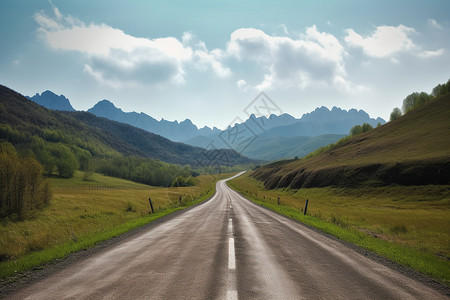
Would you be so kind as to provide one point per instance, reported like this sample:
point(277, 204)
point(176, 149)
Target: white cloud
point(45, 22)
point(56, 11)
point(242, 85)
point(187, 37)
point(250, 43)
point(314, 58)
point(384, 42)
point(204, 59)
point(388, 41)
point(434, 24)
point(427, 54)
point(115, 58)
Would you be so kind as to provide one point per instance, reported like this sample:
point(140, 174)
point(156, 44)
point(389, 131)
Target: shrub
point(182, 181)
point(398, 229)
point(22, 186)
point(358, 129)
point(395, 114)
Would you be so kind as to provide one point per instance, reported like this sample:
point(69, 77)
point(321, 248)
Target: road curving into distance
point(227, 248)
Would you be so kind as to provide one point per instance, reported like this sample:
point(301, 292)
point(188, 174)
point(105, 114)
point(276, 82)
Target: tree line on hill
point(417, 99)
point(143, 170)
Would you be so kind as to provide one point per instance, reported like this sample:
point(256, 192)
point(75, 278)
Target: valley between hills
point(385, 189)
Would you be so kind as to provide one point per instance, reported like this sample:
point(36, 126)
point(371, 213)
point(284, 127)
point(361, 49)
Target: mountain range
point(173, 130)
point(267, 138)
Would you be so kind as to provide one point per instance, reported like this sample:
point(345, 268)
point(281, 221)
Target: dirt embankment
point(404, 173)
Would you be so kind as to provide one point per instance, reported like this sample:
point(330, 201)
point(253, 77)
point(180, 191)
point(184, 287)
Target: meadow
point(407, 224)
point(84, 212)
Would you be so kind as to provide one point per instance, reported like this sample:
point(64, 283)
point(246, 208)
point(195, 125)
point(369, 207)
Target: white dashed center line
point(231, 292)
point(231, 255)
point(232, 295)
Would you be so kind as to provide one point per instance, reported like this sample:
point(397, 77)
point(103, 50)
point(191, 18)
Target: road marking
point(231, 255)
point(232, 295)
point(232, 285)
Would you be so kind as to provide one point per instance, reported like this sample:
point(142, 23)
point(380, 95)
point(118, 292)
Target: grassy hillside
point(21, 119)
point(413, 149)
point(26, 118)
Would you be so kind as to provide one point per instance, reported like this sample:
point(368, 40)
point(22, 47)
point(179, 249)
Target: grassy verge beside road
point(84, 213)
point(408, 225)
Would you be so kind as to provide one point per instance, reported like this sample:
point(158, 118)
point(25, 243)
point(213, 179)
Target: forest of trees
point(61, 157)
point(143, 170)
point(23, 189)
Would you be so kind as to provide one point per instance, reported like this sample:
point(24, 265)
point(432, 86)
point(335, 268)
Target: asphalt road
point(227, 248)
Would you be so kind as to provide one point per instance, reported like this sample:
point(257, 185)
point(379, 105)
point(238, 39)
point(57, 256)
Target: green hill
point(412, 150)
point(24, 122)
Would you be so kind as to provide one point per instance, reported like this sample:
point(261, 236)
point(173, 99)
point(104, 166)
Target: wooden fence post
point(151, 204)
point(306, 207)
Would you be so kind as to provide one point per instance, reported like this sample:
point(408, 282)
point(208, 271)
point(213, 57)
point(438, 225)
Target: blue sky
point(207, 60)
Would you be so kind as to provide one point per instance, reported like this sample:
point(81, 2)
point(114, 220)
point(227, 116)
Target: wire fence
point(99, 187)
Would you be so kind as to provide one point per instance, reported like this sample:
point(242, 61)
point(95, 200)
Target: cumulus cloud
point(387, 41)
point(312, 58)
point(434, 24)
point(116, 58)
